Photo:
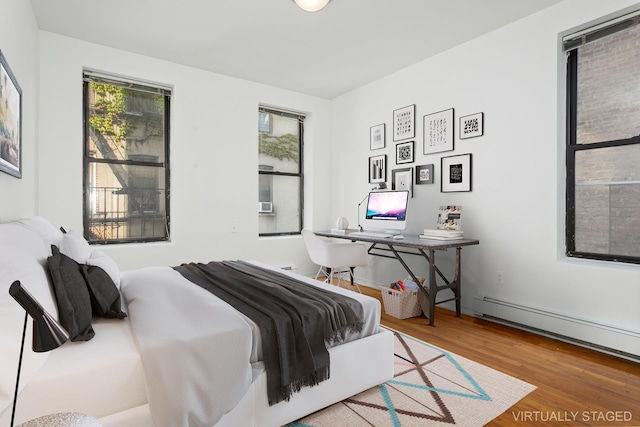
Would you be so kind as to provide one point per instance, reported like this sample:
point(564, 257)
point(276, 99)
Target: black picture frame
point(404, 123)
point(10, 121)
point(438, 131)
point(405, 152)
point(378, 169)
point(455, 173)
point(471, 126)
point(402, 179)
point(424, 174)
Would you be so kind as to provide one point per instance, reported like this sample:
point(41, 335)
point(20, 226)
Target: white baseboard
point(605, 338)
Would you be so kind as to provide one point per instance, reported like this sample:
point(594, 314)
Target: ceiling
point(328, 53)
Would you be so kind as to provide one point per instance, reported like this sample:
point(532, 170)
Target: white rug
point(431, 387)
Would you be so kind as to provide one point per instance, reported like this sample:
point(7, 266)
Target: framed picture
point(377, 137)
point(404, 152)
point(404, 123)
point(438, 132)
point(378, 169)
point(472, 125)
point(10, 121)
point(402, 179)
point(455, 173)
point(424, 174)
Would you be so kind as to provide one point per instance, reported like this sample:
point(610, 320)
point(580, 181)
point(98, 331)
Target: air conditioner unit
point(265, 207)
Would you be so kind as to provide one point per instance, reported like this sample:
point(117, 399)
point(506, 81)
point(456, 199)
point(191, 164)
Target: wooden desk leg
point(433, 287)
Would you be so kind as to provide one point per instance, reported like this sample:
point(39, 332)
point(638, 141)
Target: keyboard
point(378, 235)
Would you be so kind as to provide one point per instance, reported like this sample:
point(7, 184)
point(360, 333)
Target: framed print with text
point(378, 169)
point(424, 174)
point(472, 125)
point(404, 123)
point(402, 179)
point(404, 152)
point(10, 121)
point(455, 173)
point(438, 132)
point(377, 137)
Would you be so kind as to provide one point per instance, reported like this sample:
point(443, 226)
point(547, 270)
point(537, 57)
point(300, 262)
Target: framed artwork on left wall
point(10, 121)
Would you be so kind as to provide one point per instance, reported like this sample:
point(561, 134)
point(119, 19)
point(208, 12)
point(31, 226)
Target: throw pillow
point(72, 296)
point(104, 261)
point(75, 246)
point(105, 297)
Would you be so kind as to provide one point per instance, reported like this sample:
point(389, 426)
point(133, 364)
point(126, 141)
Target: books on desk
point(441, 234)
point(448, 224)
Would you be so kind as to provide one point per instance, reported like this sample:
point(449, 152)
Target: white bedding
point(196, 382)
point(195, 348)
point(98, 377)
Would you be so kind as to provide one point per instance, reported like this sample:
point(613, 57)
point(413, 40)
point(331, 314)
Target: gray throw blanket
point(295, 319)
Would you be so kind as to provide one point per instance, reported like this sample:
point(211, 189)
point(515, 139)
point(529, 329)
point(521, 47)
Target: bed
point(157, 366)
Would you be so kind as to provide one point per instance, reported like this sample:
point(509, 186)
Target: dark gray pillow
point(72, 296)
point(105, 297)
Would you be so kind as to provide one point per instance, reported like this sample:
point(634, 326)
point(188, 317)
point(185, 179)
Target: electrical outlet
point(500, 277)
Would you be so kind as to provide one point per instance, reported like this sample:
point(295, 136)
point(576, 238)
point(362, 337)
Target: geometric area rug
point(431, 387)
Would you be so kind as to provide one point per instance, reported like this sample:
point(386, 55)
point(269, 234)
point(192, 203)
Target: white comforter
point(195, 348)
point(198, 365)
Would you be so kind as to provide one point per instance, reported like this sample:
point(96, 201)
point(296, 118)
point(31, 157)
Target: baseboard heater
point(503, 312)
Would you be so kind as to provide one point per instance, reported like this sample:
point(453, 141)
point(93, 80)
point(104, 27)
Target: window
point(126, 161)
point(280, 136)
point(603, 142)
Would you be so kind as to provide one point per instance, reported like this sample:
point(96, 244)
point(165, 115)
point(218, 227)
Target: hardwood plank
point(576, 386)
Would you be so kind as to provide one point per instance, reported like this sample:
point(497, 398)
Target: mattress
point(99, 377)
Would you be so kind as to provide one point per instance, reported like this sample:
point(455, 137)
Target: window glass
point(280, 174)
point(603, 144)
point(126, 172)
point(608, 93)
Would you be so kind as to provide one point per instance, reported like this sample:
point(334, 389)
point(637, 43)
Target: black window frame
point(300, 173)
point(573, 147)
point(88, 77)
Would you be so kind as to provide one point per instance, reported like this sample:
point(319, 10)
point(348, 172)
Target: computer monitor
point(387, 210)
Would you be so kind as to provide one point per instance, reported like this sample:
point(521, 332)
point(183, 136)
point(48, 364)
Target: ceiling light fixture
point(311, 5)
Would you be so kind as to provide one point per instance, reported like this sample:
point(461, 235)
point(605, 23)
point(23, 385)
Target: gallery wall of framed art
point(438, 139)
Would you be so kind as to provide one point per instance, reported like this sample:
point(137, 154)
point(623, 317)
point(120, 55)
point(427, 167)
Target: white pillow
point(105, 262)
point(75, 246)
point(49, 234)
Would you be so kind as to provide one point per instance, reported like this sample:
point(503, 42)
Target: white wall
point(513, 75)
point(19, 45)
point(214, 156)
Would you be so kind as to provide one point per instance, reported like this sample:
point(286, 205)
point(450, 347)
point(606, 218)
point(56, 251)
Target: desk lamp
point(380, 186)
point(47, 333)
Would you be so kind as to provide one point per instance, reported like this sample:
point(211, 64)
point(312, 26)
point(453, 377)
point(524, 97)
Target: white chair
point(335, 258)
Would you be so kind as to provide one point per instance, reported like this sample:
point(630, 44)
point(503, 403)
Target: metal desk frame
point(392, 248)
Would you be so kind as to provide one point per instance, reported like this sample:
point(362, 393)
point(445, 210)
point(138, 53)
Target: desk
point(412, 244)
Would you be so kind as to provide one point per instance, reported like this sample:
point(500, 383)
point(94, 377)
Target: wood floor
point(575, 386)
